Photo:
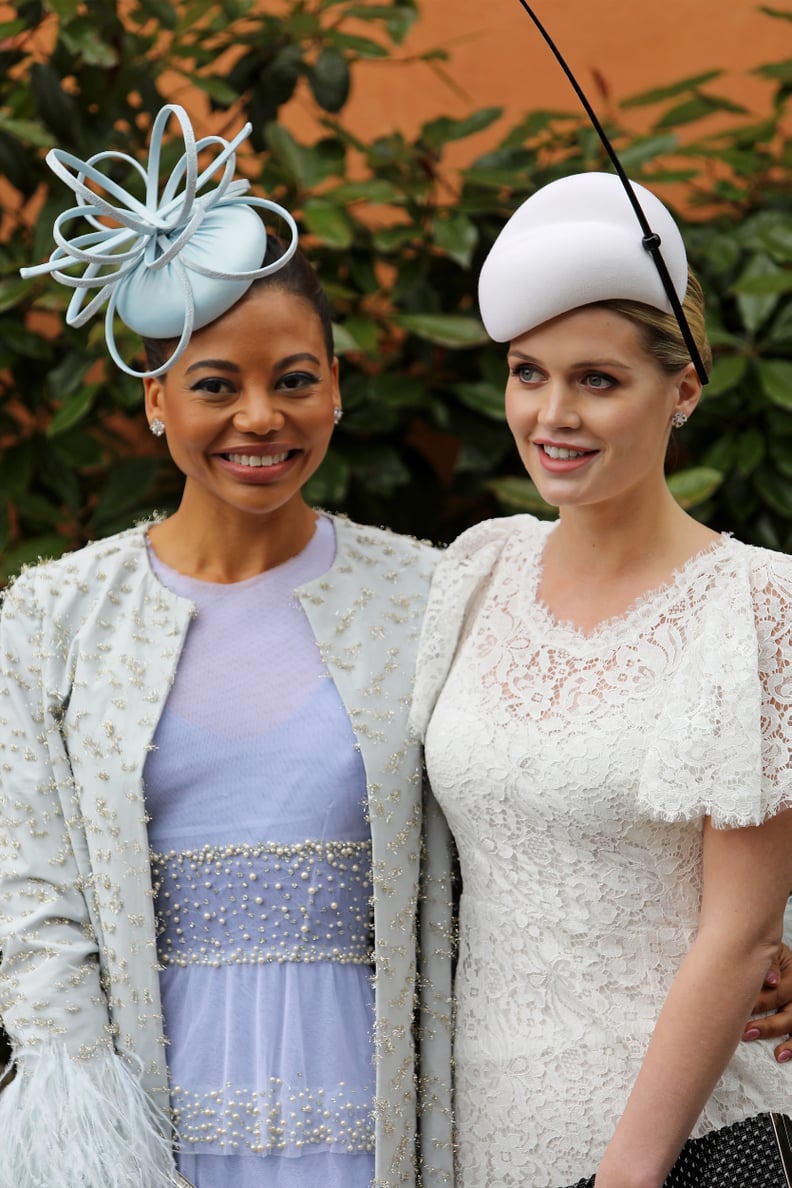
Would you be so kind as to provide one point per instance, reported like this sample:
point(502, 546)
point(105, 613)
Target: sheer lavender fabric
point(575, 772)
point(261, 860)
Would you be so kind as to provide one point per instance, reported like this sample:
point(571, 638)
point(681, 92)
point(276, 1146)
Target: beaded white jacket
point(89, 646)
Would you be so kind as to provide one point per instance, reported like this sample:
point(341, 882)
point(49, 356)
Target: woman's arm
point(746, 878)
point(50, 990)
point(75, 1112)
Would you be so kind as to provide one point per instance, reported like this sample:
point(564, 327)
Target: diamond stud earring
point(678, 420)
point(337, 415)
point(157, 427)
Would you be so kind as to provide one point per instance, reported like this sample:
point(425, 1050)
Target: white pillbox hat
point(575, 241)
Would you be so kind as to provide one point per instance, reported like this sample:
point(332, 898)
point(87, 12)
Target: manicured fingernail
point(772, 978)
point(784, 1056)
point(754, 1033)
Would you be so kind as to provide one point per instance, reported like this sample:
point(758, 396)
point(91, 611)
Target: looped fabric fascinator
point(172, 263)
point(573, 242)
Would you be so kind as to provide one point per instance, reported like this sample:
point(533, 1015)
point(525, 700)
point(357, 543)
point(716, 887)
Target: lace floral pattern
point(575, 771)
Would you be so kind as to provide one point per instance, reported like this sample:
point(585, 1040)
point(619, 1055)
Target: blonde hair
point(660, 333)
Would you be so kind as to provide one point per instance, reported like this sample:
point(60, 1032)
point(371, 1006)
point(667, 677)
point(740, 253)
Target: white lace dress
point(575, 772)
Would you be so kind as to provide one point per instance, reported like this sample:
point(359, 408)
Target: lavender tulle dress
point(261, 862)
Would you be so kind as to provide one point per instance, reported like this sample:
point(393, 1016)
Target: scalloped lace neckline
point(639, 609)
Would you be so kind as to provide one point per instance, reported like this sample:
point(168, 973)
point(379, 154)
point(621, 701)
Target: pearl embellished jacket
point(89, 646)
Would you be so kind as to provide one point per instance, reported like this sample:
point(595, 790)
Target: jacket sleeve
point(75, 1111)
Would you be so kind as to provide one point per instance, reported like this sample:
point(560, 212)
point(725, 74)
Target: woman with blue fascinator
point(211, 863)
point(607, 708)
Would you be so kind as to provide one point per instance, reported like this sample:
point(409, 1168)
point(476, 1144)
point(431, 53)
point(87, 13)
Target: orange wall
point(498, 58)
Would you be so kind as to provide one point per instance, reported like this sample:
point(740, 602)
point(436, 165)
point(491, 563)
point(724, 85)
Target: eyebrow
point(227, 365)
point(217, 364)
point(583, 363)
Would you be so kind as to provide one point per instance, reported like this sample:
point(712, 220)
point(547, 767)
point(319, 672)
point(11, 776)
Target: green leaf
point(391, 239)
point(78, 449)
point(28, 131)
point(696, 109)
point(727, 371)
point(37, 511)
point(750, 450)
point(780, 13)
point(774, 490)
point(535, 123)
point(288, 152)
point(694, 486)
point(457, 236)
point(54, 106)
point(660, 94)
point(69, 374)
point(122, 492)
point(214, 87)
point(520, 495)
point(721, 455)
point(343, 342)
point(328, 222)
point(63, 8)
point(776, 379)
point(483, 397)
point(448, 330)
point(769, 231)
point(329, 79)
point(163, 11)
point(364, 47)
point(72, 410)
point(393, 390)
point(438, 132)
point(755, 310)
point(364, 332)
point(776, 71)
point(80, 37)
point(12, 293)
point(374, 190)
point(648, 149)
point(767, 284)
point(780, 448)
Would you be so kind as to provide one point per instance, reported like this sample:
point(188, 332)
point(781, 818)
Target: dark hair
point(296, 277)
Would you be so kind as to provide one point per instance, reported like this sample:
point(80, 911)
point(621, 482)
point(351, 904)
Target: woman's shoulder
point(769, 572)
point(764, 563)
point(80, 568)
point(390, 547)
point(478, 547)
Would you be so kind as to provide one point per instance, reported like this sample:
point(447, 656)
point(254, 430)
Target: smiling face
point(590, 410)
point(248, 408)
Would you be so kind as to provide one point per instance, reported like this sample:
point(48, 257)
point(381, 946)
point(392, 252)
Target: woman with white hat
point(607, 709)
point(212, 817)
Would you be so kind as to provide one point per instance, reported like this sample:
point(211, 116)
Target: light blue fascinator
point(172, 263)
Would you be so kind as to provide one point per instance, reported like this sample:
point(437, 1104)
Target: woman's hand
point(776, 997)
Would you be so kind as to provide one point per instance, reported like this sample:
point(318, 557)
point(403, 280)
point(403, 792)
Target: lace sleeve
point(721, 745)
point(461, 572)
point(773, 602)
